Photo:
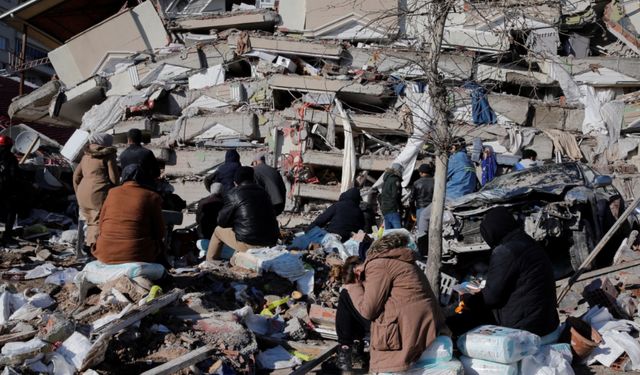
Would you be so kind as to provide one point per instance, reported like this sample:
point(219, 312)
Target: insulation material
point(565, 143)
point(349, 152)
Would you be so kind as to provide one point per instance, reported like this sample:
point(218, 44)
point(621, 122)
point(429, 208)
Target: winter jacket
point(137, 154)
point(271, 181)
point(406, 317)
point(95, 175)
point(461, 176)
point(422, 192)
point(8, 173)
point(131, 226)
point(207, 215)
point(391, 195)
point(343, 217)
point(520, 286)
point(226, 172)
point(248, 212)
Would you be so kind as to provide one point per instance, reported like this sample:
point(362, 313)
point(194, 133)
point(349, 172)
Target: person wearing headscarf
point(489, 165)
point(96, 174)
point(208, 209)
point(132, 228)
point(391, 196)
point(393, 294)
point(520, 289)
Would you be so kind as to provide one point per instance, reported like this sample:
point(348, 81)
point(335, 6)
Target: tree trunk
point(434, 258)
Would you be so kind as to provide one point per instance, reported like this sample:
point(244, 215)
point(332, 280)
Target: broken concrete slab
point(34, 107)
point(74, 103)
point(244, 123)
point(323, 192)
point(259, 20)
point(626, 66)
point(372, 123)
point(134, 30)
point(519, 76)
point(621, 19)
point(286, 46)
point(318, 84)
point(513, 107)
point(334, 159)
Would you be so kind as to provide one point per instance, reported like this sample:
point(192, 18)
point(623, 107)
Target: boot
point(341, 363)
point(360, 355)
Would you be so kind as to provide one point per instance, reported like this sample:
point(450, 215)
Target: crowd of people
point(386, 299)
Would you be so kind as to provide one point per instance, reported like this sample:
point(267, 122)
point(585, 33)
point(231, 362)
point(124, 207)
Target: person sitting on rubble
point(520, 289)
point(344, 217)
point(391, 196)
point(132, 228)
point(135, 153)
point(96, 174)
point(8, 187)
point(394, 295)
point(270, 180)
point(208, 210)
point(225, 173)
point(528, 160)
point(461, 174)
point(245, 222)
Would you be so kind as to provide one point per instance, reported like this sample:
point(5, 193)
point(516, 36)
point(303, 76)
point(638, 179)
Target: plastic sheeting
point(348, 153)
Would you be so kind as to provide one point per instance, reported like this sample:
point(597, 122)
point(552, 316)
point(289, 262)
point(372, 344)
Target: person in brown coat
point(394, 295)
point(131, 225)
point(92, 179)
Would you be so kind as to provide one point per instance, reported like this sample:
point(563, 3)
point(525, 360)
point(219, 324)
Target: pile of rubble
point(295, 79)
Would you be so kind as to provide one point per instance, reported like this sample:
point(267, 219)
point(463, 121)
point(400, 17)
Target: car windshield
point(538, 177)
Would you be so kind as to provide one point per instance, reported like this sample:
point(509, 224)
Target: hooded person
point(246, 220)
point(135, 153)
point(270, 180)
point(393, 294)
point(131, 228)
point(461, 174)
point(225, 173)
point(391, 196)
point(520, 289)
point(344, 217)
point(96, 174)
point(8, 187)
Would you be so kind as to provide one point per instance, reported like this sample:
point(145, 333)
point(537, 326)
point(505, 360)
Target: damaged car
point(567, 207)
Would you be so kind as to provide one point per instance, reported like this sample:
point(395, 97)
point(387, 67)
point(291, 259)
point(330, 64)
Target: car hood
point(498, 196)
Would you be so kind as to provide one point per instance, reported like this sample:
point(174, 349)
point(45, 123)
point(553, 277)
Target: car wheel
point(582, 243)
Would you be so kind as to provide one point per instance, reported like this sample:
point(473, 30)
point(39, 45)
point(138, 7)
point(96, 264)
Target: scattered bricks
point(323, 316)
point(57, 329)
point(601, 292)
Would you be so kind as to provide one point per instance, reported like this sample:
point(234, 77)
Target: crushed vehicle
point(563, 206)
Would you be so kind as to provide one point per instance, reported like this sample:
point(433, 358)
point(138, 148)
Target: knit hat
point(397, 167)
point(101, 139)
point(425, 168)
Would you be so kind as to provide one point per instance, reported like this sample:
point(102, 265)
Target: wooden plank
point(611, 270)
point(185, 361)
point(308, 366)
point(137, 315)
point(20, 336)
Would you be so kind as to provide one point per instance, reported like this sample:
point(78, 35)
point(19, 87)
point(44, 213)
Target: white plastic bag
point(498, 344)
point(550, 360)
point(473, 366)
point(98, 273)
point(75, 349)
point(441, 350)
point(277, 358)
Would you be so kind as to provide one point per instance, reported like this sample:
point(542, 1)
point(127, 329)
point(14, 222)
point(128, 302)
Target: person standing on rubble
point(520, 289)
point(394, 295)
point(94, 176)
point(270, 180)
point(132, 228)
point(8, 187)
point(245, 222)
point(344, 217)
point(461, 174)
point(422, 191)
point(225, 173)
point(391, 196)
point(135, 153)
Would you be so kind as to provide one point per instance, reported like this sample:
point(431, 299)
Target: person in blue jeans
point(391, 196)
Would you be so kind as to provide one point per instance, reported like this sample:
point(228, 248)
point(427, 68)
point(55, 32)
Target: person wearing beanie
point(422, 191)
point(96, 174)
point(225, 173)
point(135, 153)
point(270, 180)
point(391, 196)
point(245, 221)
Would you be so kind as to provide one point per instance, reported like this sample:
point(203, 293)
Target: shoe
point(341, 363)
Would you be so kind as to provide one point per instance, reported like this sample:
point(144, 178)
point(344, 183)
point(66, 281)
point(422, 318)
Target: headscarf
point(497, 223)
point(133, 172)
point(101, 139)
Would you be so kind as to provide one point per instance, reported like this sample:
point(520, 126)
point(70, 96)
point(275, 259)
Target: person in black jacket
point(520, 290)
point(344, 217)
point(422, 191)
point(391, 196)
point(245, 222)
point(270, 180)
point(8, 187)
point(208, 210)
point(137, 154)
point(226, 172)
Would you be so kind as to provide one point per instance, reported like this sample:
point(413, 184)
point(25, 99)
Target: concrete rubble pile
point(328, 90)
